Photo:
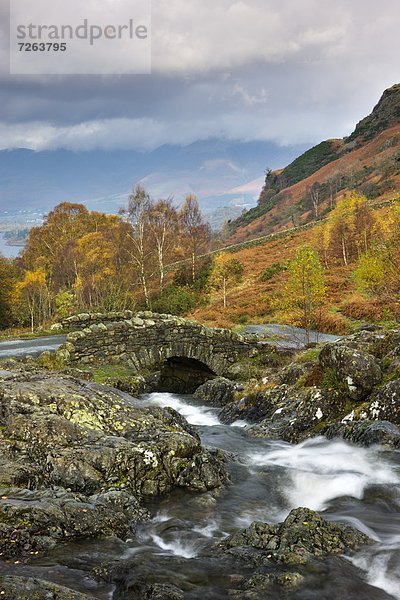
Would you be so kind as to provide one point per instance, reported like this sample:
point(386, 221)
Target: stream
point(346, 483)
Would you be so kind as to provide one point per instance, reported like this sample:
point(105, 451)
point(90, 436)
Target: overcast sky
point(289, 71)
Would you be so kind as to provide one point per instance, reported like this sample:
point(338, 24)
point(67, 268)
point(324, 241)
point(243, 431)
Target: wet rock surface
point(385, 403)
point(77, 459)
point(258, 406)
point(302, 541)
point(217, 392)
point(365, 433)
point(57, 430)
point(26, 588)
point(258, 562)
point(302, 535)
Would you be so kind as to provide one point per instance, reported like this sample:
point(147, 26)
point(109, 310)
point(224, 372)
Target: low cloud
point(147, 134)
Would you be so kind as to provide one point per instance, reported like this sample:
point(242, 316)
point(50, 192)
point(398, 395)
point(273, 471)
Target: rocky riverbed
point(103, 495)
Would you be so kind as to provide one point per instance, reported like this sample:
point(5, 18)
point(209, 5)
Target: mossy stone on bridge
point(146, 340)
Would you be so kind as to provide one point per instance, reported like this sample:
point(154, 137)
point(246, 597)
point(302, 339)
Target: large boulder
point(304, 417)
point(216, 392)
point(42, 516)
point(87, 437)
point(76, 458)
point(358, 372)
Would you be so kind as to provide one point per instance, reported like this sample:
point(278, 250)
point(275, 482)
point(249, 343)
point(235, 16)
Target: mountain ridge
point(367, 161)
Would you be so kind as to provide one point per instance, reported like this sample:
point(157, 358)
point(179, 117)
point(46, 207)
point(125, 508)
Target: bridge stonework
point(147, 340)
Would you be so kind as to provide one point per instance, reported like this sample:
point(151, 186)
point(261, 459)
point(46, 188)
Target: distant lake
point(8, 251)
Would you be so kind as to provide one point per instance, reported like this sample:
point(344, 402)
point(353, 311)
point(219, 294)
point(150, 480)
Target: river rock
point(56, 514)
point(85, 436)
point(29, 588)
point(303, 534)
point(257, 406)
point(365, 433)
point(161, 592)
point(76, 457)
point(216, 392)
point(293, 372)
point(288, 413)
point(358, 371)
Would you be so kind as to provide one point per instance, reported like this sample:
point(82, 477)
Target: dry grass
point(257, 301)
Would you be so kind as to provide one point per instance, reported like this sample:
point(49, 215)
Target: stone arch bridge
point(148, 342)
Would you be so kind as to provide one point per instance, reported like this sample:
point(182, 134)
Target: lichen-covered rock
point(304, 534)
point(16, 541)
point(258, 406)
point(358, 371)
point(365, 433)
point(385, 403)
point(160, 591)
point(291, 374)
point(303, 415)
point(57, 514)
point(30, 588)
point(86, 437)
point(59, 433)
point(261, 585)
point(377, 341)
point(217, 392)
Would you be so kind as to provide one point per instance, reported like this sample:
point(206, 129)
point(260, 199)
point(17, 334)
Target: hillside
point(253, 300)
point(367, 161)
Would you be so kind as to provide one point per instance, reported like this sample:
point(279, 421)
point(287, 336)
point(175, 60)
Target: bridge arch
point(147, 341)
point(183, 375)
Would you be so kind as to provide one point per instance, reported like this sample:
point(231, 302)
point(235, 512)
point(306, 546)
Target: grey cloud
point(287, 71)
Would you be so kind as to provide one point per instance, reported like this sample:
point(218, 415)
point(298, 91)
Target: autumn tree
point(164, 227)
point(195, 230)
point(32, 292)
point(95, 269)
point(316, 197)
point(304, 292)
point(7, 282)
point(226, 271)
point(137, 213)
point(52, 245)
point(350, 229)
point(379, 267)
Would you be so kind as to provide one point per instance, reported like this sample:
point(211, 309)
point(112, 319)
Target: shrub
point(175, 300)
point(273, 270)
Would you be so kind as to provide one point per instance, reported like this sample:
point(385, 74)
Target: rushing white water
point(358, 486)
point(321, 471)
point(382, 567)
point(319, 474)
point(195, 415)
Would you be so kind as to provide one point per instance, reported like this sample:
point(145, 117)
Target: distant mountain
point(367, 161)
point(217, 171)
